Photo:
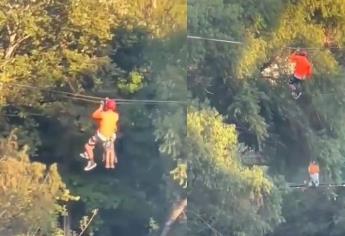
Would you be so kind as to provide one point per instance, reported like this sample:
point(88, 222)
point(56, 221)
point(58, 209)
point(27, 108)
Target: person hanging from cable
point(313, 170)
point(107, 118)
point(303, 70)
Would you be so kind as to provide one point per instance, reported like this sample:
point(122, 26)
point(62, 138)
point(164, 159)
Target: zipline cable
point(212, 39)
point(314, 48)
point(320, 185)
point(94, 98)
point(239, 42)
point(51, 90)
point(97, 101)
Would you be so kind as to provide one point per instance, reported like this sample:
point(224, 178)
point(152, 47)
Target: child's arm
point(98, 113)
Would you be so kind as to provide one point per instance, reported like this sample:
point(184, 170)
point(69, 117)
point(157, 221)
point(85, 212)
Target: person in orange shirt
point(107, 119)
point(314, 171)
point(303, 71)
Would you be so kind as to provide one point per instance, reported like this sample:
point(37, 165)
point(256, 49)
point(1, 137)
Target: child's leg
point(298, 86)
point(292, 82)
point(90, 146)
point(107, 158)
point(113, 152)
point(113, 158)
point(316, 179)
point(310, 183)
point(106, 154)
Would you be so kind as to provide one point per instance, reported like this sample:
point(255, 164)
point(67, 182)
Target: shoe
point(300, 93)
point(295, 95)
point(84, 156)
point(90, 165)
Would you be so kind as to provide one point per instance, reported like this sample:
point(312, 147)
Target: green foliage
point(103, 47)
point(153, 225)
point(29, 192)
point(54, 42)
point(245, 109)
point(138, 50)
point(162, 17)
point(247, 84)
point(180, 174)
point(301, 207)
point(133, 84)
point(224, 193)
point(167, 81)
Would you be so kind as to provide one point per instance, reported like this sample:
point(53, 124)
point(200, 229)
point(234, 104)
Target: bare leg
point(107, 158)
point(298, 88)
point(113, 157)
point(89, 147)
point(292, 87)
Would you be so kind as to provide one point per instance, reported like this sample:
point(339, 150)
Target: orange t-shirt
point(107, 121)
point(303, 66)
point(313, 169)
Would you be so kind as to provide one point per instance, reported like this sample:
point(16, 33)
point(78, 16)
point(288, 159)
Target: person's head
point(110, 105)
point(313, 162)
point(303, 52)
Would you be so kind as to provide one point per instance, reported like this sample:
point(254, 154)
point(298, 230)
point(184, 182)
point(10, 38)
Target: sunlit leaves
point(217, 177)
point(29, 191)
point(133, 84)
point(160, 17)
point(179, 174)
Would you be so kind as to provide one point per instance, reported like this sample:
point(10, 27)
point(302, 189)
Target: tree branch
point(88, 223)
point(9, 52)
point(2, 213)
point(178, 210)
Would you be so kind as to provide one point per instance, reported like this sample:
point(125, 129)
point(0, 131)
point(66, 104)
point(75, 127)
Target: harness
point(106, 142)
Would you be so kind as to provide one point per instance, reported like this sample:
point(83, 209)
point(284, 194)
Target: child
point(107, 118)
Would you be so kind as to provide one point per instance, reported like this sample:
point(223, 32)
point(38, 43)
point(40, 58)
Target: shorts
point(295, 81)
point(99, 138)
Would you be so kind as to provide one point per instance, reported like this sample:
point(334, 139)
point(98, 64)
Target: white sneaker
point(298, 95)
point(84, 155)
point(295, 95)
point(90, 165)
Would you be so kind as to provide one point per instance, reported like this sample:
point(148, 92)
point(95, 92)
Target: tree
point(223, 195)
point(51, 43)
point(246, 83)
point(31, 193)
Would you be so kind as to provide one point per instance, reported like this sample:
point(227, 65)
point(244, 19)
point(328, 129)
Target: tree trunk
point(177, 211)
